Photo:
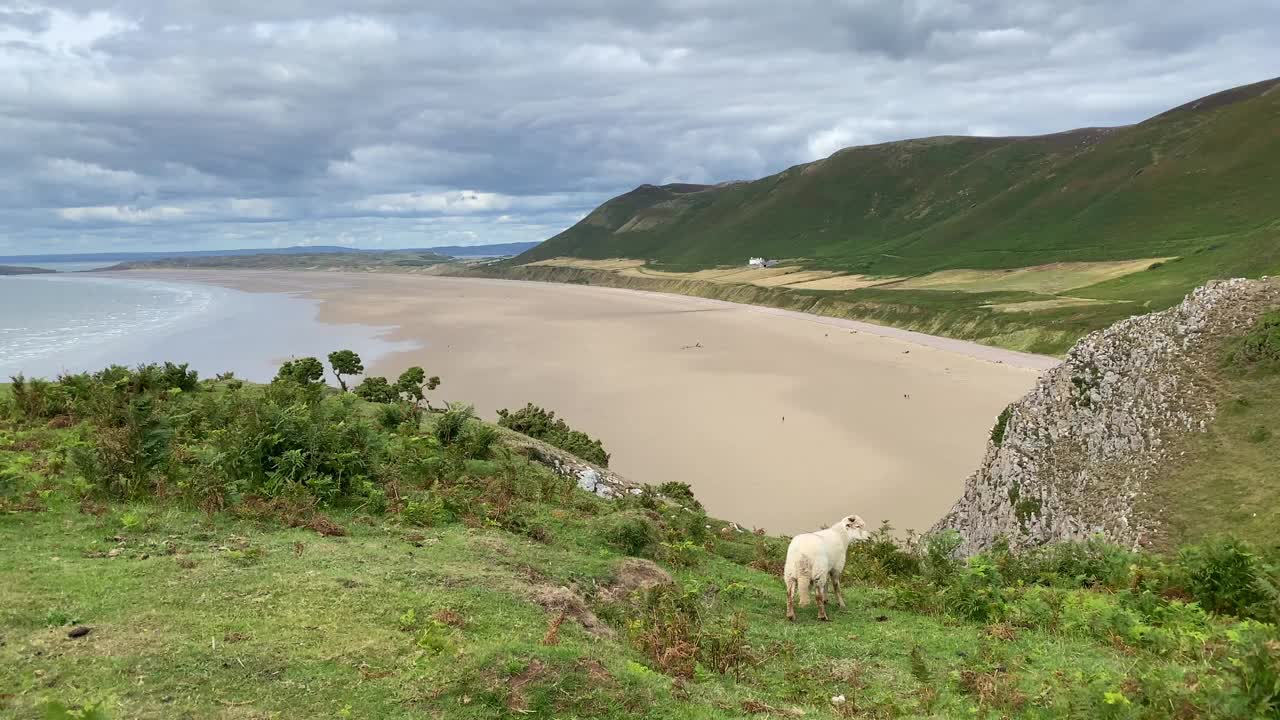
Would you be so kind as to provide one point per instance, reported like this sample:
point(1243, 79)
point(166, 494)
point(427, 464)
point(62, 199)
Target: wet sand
point(778, 420)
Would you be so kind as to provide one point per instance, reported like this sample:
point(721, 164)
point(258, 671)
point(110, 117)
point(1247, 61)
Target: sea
point(63, 323)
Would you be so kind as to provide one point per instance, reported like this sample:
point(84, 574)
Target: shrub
point(880, 558)
point(939, 564)
point(1260, 347)
point(671, 629)
point(1223, 574)
point(301, 371)
point(376, 389)
point(452, 423)
point(1002, 421)
point(975, 593)
point(543, 425)
point(683, 553)
point(1092, 563)
point(681, 493)
point(1255, 670)
point(280, 443)
point(425, 511)
point(391, 417)
point(631, 533)
point(125, 460)
point(478, 441)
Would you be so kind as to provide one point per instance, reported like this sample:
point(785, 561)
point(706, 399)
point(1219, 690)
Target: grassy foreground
point(221, 574)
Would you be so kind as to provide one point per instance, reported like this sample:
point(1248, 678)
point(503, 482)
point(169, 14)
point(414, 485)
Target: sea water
point(50, 324)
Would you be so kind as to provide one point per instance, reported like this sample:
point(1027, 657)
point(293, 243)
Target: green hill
point(1192, 190)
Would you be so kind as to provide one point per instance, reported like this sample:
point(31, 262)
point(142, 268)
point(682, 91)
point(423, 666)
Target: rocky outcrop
point(592, 478)
point(1071, 459)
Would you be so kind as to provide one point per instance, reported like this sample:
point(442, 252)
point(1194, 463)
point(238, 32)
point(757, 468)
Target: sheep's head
point(854, 527)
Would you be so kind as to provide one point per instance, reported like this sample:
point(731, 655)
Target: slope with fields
point(1182, 198)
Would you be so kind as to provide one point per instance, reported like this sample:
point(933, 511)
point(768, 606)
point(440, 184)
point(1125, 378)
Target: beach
point(777, 420)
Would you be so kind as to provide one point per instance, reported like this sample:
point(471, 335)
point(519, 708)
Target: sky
point(206, 124)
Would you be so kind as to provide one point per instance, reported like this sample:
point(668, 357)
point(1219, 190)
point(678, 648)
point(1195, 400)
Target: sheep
point(816, 558)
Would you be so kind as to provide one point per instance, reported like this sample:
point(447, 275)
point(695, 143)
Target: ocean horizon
point(54, 324)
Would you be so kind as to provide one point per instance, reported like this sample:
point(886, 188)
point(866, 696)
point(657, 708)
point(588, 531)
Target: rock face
point(601, 481)
point(1072, 457)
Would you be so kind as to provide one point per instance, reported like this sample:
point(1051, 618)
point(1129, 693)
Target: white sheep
point(816, 558)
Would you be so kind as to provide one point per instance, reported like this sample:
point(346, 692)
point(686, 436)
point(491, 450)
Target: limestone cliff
point(1073, 457)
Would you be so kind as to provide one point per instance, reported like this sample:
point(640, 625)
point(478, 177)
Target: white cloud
point(122, 214)
point(456, 201)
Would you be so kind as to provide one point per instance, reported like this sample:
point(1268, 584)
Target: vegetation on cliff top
point(179, 547)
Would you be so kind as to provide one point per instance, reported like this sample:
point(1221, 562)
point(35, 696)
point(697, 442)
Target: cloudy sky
point(143, 124)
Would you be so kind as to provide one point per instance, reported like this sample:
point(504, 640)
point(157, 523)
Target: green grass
point(220, 616)
point(1227, 479)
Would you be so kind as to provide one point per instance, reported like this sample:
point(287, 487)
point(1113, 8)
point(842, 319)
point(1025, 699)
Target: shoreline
point(775, 423)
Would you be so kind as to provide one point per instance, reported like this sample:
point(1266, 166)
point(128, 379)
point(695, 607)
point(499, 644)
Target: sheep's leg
point(822, 602)
point(835, 580)
point(791, 600)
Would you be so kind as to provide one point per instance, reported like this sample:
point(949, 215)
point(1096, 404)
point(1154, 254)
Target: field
point(469, 581)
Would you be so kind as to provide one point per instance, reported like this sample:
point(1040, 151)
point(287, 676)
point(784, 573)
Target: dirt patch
point(516, 684)
point(449, 617)
point(564, 600)
point(631, 575)
point(291, 513)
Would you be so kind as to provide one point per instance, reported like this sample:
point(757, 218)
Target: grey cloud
point(217, 124)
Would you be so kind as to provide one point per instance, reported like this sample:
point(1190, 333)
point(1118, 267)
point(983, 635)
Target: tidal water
point(50, 324)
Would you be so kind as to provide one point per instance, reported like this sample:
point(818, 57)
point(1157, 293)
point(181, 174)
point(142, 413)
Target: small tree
point(303, 371)
point(376, 389)
point(413, 383)
point(345, 362)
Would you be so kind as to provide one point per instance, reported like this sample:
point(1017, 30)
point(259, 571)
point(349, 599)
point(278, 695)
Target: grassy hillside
point(177, 548)
point(1225, 479)
point(1190, 190)
point(1165, 187)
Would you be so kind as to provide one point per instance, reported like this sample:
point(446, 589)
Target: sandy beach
point(777, 420)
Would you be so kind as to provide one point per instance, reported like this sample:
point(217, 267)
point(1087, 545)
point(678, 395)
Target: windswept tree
point(345, 362)
point(303, 371)
point(413, 383)
point(376, 389)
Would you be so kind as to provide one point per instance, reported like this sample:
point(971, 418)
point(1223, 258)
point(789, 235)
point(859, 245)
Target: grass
point(1226, 480)
point(229, 614)
point(205, 616)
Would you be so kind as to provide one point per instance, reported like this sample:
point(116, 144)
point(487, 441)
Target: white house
point(759, 262)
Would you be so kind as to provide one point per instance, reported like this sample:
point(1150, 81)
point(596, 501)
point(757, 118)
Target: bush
point(425, 511)
point(282, 443)
point(478, 441)
point(1256, 674)
point(681, 493)
point(543, 425)
point(1092, 563)
point(631, 533)
point(880, 558)
point(975, 593)
point(1002, 421)
point(376, 389)
point(127, 459)
point(671, 629)
point(1226, 576)
point(1260, 347)
point(452, 423)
